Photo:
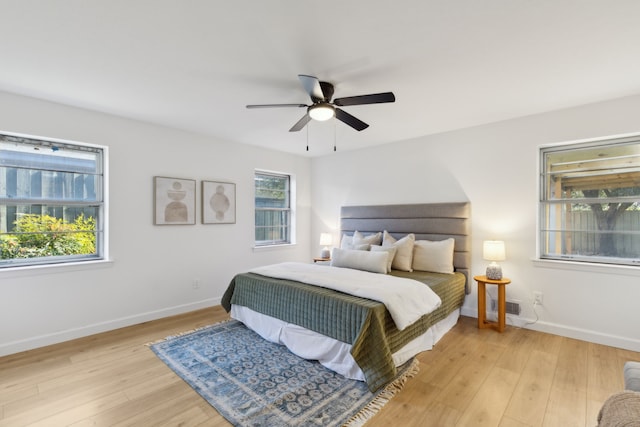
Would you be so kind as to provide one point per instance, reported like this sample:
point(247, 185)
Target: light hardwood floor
point(471, 378)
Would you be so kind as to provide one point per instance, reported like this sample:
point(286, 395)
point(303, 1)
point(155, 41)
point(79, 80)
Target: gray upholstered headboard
point(430, 221)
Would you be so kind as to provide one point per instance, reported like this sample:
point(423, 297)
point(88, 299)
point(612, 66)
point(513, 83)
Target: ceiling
point(195, 64)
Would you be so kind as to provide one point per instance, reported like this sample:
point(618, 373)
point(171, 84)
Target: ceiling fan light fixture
point(321, 112)
point(324, 107)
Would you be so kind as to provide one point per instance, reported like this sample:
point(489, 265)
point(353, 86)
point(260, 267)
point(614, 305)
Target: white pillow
point(369, 239)
point(346, 242)
point(404, 250)
point(375, 262)
point(436, 257)
point(359, 241)
point(391, 253)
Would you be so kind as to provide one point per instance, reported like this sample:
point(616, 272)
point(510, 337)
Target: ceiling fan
point(322, 108)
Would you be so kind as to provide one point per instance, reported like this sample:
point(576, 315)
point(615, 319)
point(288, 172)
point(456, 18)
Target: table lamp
point(325, 240)
point(493, 250)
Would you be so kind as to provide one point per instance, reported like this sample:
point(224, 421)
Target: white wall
point(153, 267)
point(495, 168)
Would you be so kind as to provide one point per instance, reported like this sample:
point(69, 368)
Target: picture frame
point(218, 202)
point(174, 201)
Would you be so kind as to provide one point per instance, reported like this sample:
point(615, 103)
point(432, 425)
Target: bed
point(357, 336)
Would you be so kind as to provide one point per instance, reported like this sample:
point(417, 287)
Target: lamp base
point(494, 271)
point(326, 253)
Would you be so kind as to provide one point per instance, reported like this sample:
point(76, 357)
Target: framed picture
point(174, 201)
point(218, 202)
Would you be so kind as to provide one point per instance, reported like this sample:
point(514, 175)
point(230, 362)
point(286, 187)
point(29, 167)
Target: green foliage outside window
point(44, 235)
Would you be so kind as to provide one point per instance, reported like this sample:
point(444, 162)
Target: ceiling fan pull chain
point(334, 134)
point(307, 138)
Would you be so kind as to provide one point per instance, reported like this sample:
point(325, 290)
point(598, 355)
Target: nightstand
point(482, 302)
point(321, 259)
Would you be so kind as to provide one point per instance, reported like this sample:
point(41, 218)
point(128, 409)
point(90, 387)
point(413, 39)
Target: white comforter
point(407, 300)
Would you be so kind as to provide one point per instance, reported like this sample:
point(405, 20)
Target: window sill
point(627, 270)
point(273, 247)
point(36, 270)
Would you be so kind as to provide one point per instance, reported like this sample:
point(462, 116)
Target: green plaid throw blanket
point(363, 323)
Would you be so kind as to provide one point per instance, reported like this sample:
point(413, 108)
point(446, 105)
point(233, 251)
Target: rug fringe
point(180, 334)
point(384, 396)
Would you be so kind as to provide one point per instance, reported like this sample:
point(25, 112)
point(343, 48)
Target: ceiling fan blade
point(352, 121)
point(301, 123)
point(275, 105)
point(374, 98)
point(312, 86)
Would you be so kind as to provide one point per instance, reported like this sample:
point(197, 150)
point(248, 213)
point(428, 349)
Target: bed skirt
point(331, 353)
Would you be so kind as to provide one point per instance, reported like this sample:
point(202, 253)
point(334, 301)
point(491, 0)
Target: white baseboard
point(586, 335)
point(563, 331)
point(96, 328)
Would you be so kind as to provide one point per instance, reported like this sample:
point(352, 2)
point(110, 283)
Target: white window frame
point(291, 211)
point(101, 204)
point(550, 225)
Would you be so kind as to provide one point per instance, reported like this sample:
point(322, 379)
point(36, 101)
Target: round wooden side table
point(482, 302)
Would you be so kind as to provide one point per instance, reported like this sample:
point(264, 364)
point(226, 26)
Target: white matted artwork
point(174, 201)
point(218, 202)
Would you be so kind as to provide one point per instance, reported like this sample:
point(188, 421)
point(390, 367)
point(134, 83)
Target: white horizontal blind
point(51, 201)
point(590, 202)
point(272, 209)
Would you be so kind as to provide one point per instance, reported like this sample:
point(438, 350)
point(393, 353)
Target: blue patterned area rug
point(252, 382)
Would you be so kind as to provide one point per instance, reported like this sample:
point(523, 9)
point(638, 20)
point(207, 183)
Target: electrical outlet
point(537, 297)
point(196, 284)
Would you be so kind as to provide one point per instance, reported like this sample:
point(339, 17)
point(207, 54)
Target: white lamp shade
point(493, 250)
point(325, 239)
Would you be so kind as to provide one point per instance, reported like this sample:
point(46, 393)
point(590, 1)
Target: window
point(590, 202)
point(51, 201)
point(273, 209)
